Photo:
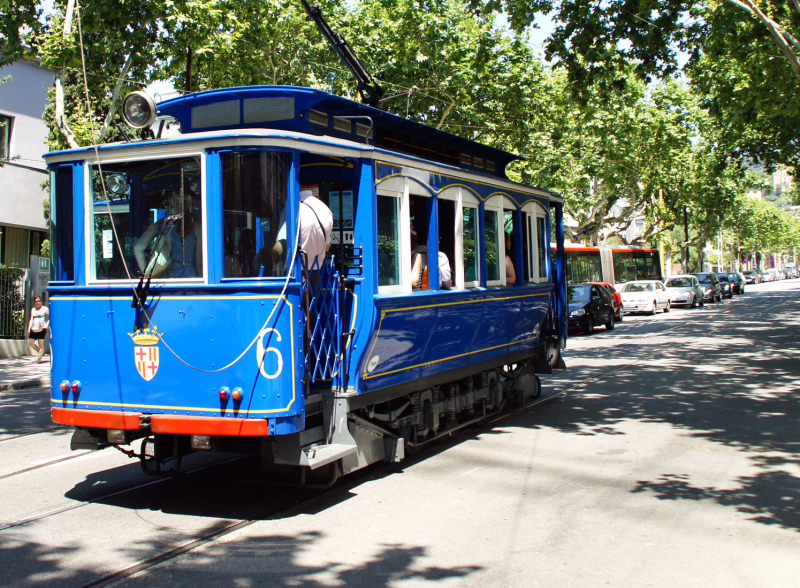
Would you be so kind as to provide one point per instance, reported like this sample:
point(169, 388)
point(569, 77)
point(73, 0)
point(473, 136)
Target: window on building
point(5, 137)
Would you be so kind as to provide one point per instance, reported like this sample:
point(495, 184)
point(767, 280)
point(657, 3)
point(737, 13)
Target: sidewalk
point(24, 372)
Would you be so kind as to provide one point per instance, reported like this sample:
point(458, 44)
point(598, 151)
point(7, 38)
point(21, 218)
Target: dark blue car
point(589, 306)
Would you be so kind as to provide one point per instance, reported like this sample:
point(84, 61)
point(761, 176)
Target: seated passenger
point(176, 244)
point(419, 263)
point(511, 274)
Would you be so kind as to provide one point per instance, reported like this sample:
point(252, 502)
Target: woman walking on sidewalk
point(37, 326)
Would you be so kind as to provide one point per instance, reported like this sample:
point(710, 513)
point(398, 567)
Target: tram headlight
point(116, 437)
point(139, 110)
point(117, 184)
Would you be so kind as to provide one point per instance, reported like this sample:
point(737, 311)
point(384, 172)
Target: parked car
point(767, 276)
point(645, 296)
point(725, 285)
point(752, 277)
point(712, 291)
point(793, 271)
point(738, 282)
point(684, 290)
point(615, 296)
point(786, 274)
point(589, 305)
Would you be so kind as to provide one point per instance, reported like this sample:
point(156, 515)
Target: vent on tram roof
point(490, 166)
point(219, 114)
point(344, 125)
point(466, 159)
point(477, 161)
point(318, 118)
point(268, 109)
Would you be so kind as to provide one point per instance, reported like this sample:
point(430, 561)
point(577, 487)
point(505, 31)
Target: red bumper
point(159, 423)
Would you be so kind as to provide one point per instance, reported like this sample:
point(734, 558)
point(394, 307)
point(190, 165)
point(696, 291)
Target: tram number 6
point(261, 354)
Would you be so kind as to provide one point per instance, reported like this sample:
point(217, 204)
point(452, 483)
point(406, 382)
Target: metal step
point(320, 455)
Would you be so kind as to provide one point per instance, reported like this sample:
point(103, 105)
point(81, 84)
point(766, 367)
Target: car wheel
point(702, 302)
point(694, 302)
point(590, 325)
point(610, 323)
point(621, 314)
point(667, 307)
point(653, 309)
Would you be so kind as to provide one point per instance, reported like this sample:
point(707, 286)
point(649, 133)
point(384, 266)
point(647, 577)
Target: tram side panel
point(426, 335)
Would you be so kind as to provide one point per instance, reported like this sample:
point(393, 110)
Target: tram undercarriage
point(340, 436)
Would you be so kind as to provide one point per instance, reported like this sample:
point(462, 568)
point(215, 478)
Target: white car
point(684, 290)
point(644, 296)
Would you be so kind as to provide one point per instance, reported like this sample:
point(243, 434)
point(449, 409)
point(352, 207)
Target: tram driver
point(175, 241)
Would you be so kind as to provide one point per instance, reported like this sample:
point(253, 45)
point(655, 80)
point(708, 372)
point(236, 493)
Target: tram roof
point(307, 110)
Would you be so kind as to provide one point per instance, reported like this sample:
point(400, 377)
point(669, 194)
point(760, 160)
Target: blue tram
point(183, 313)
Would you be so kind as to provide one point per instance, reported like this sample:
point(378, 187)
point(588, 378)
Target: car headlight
point(578, 312)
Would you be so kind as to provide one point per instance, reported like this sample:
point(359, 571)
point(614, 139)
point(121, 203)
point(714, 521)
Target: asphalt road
point(671, 459)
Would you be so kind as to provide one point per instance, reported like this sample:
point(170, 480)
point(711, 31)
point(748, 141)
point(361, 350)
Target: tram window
point(447, 238)
point(151, 210)
point(530, 252)
point(61, 223)
point(418, 211)
point(388, 241)
point(492, 246)
point(509, 250)
point(471, 246)
point(254, 186)
point(541, 241)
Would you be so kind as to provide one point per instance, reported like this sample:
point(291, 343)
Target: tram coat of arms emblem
point(146, 353)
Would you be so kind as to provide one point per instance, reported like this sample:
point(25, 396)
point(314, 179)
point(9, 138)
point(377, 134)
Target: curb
point(43, 382)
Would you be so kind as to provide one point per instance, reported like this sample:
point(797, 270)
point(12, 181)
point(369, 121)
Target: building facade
point(23, 96)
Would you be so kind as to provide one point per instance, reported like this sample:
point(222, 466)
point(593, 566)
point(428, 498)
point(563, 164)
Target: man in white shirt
point(316, 224)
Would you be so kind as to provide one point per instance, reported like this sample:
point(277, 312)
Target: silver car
point(684, 291)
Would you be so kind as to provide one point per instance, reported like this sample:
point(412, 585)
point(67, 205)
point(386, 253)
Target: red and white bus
point(611, 263)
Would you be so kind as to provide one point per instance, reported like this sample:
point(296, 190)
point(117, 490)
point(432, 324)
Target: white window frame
point(508, 206)
point(454, 195)
point(495, 203)
point(466, 200)
point(88, 220)
point(534, 211)
point(402, 238)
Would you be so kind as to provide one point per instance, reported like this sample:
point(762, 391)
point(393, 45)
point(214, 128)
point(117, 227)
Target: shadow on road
point(265, 560)
point(736, 385)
